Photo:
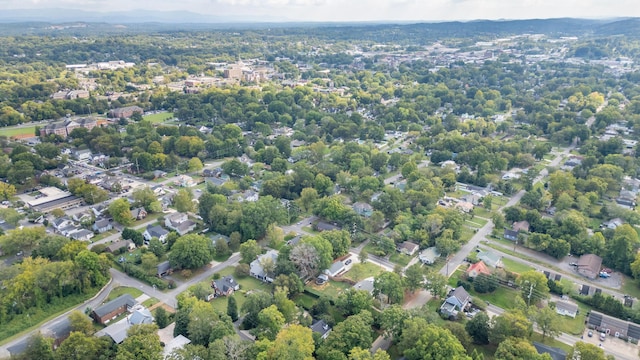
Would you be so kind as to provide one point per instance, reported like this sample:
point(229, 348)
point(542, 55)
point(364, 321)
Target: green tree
point(353, 301)
point(509, 324)
point(421, 340)
point(119, 210)
point(141, 343)
point(286, 307)
point(436, 284)
point(270, 321)
point(293, 342)
point(414, 277)
point(79, 346)
point(195, 165)
point(144, 197)
point(81, 323)
point(6, 190)
point(234, 167)
point(162, 318)
point(274, 236)
point(249, 251)
point(620, 250)
point(156, 247)
point(586, 351)
point(391, 285)
point(340, 241)
point(534, 286)
point(518, 349)
point(191, 251)
point(207, 325)
point(478, 328)
point(38, 347)
point(392, 320)
point(307, 199)
point(548, 322)
point(232, 308)
point(291, 283)
point(183, 201)
point(355, 331)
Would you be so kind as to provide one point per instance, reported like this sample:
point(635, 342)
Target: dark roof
point(324, 226)
point(163, 267)
point(56, 203)
point(556, 353)
point(225, 283)
point(156, 231)
point(320, 327)
point(510, 234)
point(101, 223)
point(117, 245)
point(116, 303)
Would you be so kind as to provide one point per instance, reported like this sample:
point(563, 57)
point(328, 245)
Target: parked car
point(347, 262)
point(604, 275)
point(573, 264)
point(590, 333)
point(603, 336)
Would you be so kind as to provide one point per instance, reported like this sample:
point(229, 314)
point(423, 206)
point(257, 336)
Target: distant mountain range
point(78, 22)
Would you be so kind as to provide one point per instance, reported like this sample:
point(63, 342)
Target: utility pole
point(531, 287)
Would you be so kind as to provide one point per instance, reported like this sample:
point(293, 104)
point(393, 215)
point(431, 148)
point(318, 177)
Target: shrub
point(242, 270)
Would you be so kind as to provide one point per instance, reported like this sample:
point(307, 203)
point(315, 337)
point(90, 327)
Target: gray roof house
point(82, 235)
point(510, 235)
point(225, 286)
point(157, 232)
point(256, 270)
point(567, 309)
point(554, 352)
point(180, 223)
point(163, 268)
point(457, 301)
point(335, 268)
point(102, 225)
point(113, 308)
point(363, 209)
point(365, 285)
point(490, 258)
point(429, 255)
point(321, 327)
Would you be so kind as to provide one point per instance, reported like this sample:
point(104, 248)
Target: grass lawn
point(121, 290)
point(400, 259)
point(15, 131)
point(246, 284)
point(551, 342)
point(331, 289)
point(501, 297)
point(631, 286)
point(305, 301)
point(514, 266)
point(499, 201)
point(222, 257)
point(309, 229)
point(482, 212)
point(159, 117)
point(362, 271)
point(150, 302)
point(466, 233)
point(477, 222)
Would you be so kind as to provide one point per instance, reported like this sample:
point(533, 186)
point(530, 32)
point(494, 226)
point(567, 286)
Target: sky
point(357, 10)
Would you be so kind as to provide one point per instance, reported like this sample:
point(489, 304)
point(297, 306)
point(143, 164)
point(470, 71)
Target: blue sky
point(358, 10)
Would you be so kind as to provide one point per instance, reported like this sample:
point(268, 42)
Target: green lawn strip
point(477, 222)
point(159, 117)
point(22, 324)
point(305, 301)
point(331, 289)
point(400, 259)
point(514, 266)
point(121, 290)
point(551, 342)
point(15, 131)
point(150, 302)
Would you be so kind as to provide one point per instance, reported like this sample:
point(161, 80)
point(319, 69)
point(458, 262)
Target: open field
point(121, 290)
point(17, 131)
point(159, 117)
point(514, 266)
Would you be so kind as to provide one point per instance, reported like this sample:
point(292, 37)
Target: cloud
point(273, 3)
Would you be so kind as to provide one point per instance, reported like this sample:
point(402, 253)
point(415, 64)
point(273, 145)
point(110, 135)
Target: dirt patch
point(164, 306)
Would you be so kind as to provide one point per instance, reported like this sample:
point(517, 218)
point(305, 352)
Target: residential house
point(164, 268)
point(180, 223)
point(363, 209)
point(157, 232)
point(325, 226)
point(102, 225)
point(294, 241)
point(521, 226)
point(457, 300)
point(335, 269)
point(408, 248)
point(249, 196)
point(82, 235)
point(256, 270)
point(589, 265)
point(70, 229)
point(61, 222)
point(118, 331)
point(322, 279)
point(225, 286)
point(511, 235)
point(554, 352)
point(83, 216)
point(365, 285)
point(176, 343)
point(429, 255)
point(476, 269)
point(321, 327)
point(464, 206)
point(566, 308)
point(185, 181)
point(613, 326)
point(98, 210)
point(159, 174)
point(113, 308)
point(81, 155)
point(612, 224)
point(116, 246)
point(139, 213)
point(490, 258)
point(215, 237)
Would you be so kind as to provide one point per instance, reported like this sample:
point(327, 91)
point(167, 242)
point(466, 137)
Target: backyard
point(121, 290)
point(247, 283)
